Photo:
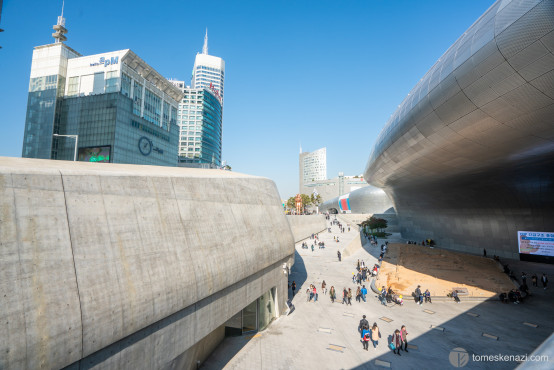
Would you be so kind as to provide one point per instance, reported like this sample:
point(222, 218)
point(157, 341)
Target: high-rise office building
point(200, 116)
point(208, 71)
point(110, 107)
point(313, 166)
point(199, 120)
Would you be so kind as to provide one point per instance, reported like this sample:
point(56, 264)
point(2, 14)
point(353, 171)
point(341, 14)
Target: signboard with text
point(536, 243)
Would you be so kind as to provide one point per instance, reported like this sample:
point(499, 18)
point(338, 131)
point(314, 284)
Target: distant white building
point(313, 167)
point(208, 71)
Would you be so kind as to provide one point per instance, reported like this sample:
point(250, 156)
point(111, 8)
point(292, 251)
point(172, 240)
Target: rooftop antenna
point(60, 29)
point(205, 47)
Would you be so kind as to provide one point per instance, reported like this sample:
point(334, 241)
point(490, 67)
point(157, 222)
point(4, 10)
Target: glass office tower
point(200, 122)
point(120, 109)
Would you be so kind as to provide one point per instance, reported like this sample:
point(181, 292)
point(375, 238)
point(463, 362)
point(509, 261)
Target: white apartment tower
point(313, 166)
point(208, 71)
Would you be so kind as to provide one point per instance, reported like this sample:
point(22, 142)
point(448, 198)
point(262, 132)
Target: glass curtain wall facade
point(120, 108)
point(200, 121)
point(46, 91)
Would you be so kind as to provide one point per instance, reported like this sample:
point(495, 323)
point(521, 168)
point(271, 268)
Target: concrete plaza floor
point(324, 335)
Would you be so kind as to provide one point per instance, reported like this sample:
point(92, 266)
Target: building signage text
point(106, 61)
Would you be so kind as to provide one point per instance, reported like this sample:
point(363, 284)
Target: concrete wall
point(306, 225)
point(112, 266)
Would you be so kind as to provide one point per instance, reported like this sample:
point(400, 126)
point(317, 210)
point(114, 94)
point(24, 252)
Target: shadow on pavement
point(435, 349)
point(298, 273)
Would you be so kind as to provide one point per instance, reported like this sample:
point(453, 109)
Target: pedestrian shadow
point(298, 273)
point(480, 330)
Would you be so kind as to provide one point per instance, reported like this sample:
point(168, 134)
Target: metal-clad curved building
point(368, 199)
point(468, 157)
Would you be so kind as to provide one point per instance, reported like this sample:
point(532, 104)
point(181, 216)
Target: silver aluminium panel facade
point(468, 157)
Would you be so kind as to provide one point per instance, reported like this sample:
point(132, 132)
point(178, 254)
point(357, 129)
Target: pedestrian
point(332, 294)
point(311, 292)
point(358, 265)
point(344, 296)
point(403, 336)
point(384, 296)
point(484, 252)
point(524, 278)
point(293, 287)
point(365, 337)
point(544, 280)
point(375, 335)
point(364, 324)
point(364, 292)
point(396, 342)
point(338, 255)
point(455, 296)
point(308, 295)
point(323, 287)
point(358, 294)
point(534, 280)
point(418, 295)
point(312, 247)
point(315, 294)
point(349, 295)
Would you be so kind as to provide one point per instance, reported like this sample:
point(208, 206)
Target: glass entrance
point(250, 317)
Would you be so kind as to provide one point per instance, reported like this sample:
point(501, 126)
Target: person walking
point(344, 296)
point(383, 296)
point(308, 293)
point(534, 280)
point(332, 294)
point(375, 335)
point(315, 294)
point(293, 287)
point(364, 324)
point(338, 255)
point(323, 287)
point(358, 294)
point(403, 336)
point(349, 295)
point(396, 342)
point(364, 292)
point(365, 337)
point(544, 280)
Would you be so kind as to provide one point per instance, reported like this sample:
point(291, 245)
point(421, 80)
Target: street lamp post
point(76, 137)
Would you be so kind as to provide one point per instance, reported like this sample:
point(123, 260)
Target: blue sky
point(321, 73)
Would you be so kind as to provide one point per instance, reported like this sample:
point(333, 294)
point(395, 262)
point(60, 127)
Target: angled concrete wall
point(305, 225)
point(112, 266)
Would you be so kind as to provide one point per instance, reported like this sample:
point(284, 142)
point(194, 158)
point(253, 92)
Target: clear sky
point(320, 73)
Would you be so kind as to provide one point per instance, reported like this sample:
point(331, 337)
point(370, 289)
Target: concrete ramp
point(92, 254)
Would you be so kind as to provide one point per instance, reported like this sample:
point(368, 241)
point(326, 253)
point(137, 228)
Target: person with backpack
point(365, 337)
